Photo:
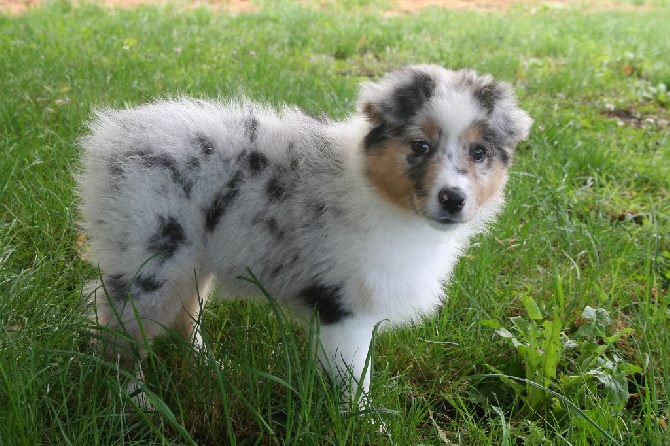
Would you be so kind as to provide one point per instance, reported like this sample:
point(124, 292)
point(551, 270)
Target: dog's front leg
point(344, 351)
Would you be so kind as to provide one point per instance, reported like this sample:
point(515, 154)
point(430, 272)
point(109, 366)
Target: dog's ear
point(511, 120)
point(396, 98)
point(517, 124)
point(499, 101)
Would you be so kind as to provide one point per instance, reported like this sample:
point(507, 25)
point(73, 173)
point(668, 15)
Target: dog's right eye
point(420, 147)
point(478, 153)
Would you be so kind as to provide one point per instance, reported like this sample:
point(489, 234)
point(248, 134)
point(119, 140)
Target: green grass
point(587, 224)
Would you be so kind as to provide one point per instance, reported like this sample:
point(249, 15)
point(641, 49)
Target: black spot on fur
point(393, 115)
point(205, 145)
point(319, 209)
point(165, 161)
point(294, 160)
point(327, 300)
point(116, 168)
point(489, 94)
point(222, 200)
point(273, 228)
point(193, 163)
point(234, 183)
point(377, 136)
point(257, 161)
point(162, 160)
point(251, 128)
point(275, 189)
point(188, 178)
point(117, 286)
point(148, 284)
point(277, 270)
point(295, 163)
point(169, 237)
point(187, 185)
point(416, 89)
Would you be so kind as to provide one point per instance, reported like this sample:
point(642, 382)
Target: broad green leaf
point(505, 333)
point(599, 317)
point(616, 336)
point(523, 325)
point(491, 323)
point(532, 308)
point(552, 346)
point(616, 386)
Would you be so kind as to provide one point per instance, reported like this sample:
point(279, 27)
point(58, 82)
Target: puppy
point(359, 221)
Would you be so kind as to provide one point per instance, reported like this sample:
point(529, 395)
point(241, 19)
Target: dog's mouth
point(444, 223)
point(446, 220)
point(442, 220)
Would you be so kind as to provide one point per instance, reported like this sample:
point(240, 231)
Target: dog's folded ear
point(516, 124)
point(513, 122)
point(397, 97)
point(499, 100)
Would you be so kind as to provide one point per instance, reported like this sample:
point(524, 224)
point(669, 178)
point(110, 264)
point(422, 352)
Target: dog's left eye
point(420, 147)
point(477, 153)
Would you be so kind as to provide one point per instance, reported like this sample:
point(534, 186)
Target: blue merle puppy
point(360, 221)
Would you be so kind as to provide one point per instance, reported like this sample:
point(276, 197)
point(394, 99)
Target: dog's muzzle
point(451, 202)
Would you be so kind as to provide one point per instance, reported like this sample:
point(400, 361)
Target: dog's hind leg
point(129, 320)
point(133, 312)
point(140, 307)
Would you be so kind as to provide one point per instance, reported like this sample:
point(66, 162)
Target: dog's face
point(441, 141)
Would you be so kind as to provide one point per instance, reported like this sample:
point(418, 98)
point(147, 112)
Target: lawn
point(556, 326)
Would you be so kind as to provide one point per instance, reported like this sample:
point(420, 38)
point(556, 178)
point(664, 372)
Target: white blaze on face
point(454, 112)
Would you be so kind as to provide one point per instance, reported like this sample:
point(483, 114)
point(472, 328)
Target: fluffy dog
point(360, 221)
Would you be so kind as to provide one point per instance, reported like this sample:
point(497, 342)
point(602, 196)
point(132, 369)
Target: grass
point(587, 224)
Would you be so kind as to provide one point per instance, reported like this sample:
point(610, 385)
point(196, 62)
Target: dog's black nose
point(452, 200)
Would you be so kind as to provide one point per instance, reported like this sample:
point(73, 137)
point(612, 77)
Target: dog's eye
point(420, 147)
point(477, 153)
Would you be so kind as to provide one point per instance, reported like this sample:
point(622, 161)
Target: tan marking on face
point(386, 170)
point(471, 135)
point(492, 184)
point(432, 131)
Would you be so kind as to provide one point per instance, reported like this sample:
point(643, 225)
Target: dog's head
point(441, 141)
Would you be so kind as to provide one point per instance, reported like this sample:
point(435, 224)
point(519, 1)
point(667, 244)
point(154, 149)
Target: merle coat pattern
point(361, 221)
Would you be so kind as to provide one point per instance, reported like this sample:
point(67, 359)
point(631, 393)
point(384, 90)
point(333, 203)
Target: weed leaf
point(534, 312)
